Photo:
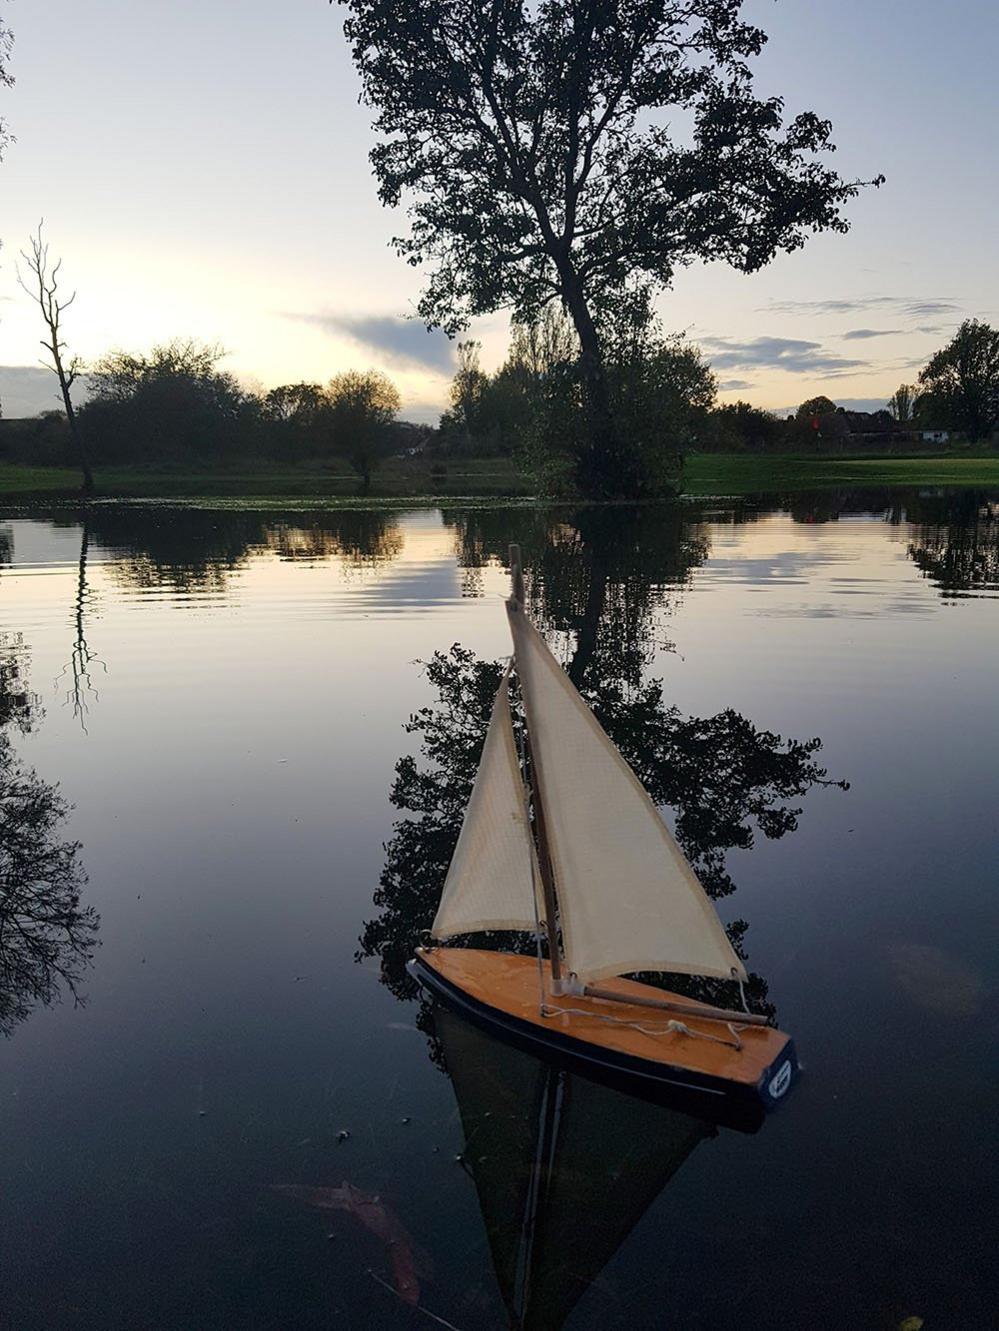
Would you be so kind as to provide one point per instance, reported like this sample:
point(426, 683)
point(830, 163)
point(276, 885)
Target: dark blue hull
point(725, 1102)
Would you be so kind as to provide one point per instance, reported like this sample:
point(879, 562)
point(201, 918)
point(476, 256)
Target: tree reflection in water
point(599, 583)
point(47, 936)
point(19, 707)
point(360, 540)
point(196, 551)
point(954, 542)
point(188, 550)
point(952, 537)
point(82, 658)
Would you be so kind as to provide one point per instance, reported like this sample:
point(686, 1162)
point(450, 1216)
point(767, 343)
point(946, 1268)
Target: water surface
point(253, 1121)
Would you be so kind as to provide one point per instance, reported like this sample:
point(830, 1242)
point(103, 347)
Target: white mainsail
point(493, 877)
point(628, 900)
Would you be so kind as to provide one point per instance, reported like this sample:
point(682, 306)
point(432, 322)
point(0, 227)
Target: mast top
point(517, 577)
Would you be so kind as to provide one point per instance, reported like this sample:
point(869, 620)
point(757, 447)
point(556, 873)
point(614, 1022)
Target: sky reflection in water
point(230, 755)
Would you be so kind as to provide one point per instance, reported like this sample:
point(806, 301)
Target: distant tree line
point(665, 396)
point(176, 405)
point(957, 391)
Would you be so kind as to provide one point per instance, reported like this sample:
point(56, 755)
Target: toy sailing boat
point(584, 857)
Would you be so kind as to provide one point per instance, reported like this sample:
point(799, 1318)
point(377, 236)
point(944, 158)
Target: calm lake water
point(250, 1126)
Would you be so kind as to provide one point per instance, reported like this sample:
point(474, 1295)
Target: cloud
point(825, 306)
point(914, 306)
point(733, 385)
point(405, 343)
point(912, 363)
point(924, 308)
point(856, 334)
point(848, 403)
point(28, 390)
point(792, 355)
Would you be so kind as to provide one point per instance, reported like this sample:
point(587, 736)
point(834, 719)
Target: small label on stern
point(780, 1081)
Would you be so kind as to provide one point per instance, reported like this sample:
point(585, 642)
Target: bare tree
point(42, 285)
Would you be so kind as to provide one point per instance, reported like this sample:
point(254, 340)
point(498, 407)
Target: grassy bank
point(400, 478)
point(736, 474)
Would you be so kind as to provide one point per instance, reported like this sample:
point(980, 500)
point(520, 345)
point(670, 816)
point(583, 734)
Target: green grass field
point(399, 478)
point(496, 478)
point(735, 474)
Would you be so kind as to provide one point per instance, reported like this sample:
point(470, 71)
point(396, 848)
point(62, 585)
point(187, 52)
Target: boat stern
point(779, 1077)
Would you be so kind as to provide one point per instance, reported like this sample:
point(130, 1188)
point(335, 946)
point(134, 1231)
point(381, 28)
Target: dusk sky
point(202, 169)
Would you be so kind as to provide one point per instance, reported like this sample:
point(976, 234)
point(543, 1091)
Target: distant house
point(410, 439)
point(842, 426)
point(870, 424)
point(935, 436)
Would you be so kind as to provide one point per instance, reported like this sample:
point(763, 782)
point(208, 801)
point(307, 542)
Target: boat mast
point(517, 599)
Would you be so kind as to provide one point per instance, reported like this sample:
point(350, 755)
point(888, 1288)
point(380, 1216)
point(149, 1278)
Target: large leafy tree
point(902, 403)
point(173, 402)
point(363, 404)
point(470, 385)
point(815, 406)
point(576, 150)
point(296, 420)
point(740, 425)
point(961, 382)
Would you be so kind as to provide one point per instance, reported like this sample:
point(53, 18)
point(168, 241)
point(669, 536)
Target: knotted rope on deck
point(670, 1027)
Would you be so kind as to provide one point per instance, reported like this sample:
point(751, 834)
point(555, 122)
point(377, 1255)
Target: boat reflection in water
point(564, 1167)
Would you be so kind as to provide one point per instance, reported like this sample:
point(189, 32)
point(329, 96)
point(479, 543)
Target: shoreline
point(497, 480)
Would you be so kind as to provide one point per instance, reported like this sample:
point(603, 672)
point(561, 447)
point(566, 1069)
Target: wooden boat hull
point(626, 1045)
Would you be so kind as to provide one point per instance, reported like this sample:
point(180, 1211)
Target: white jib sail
point(628, 900)
point(493, 875)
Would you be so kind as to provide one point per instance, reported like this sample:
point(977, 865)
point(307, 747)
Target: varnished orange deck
point(636, 1038)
